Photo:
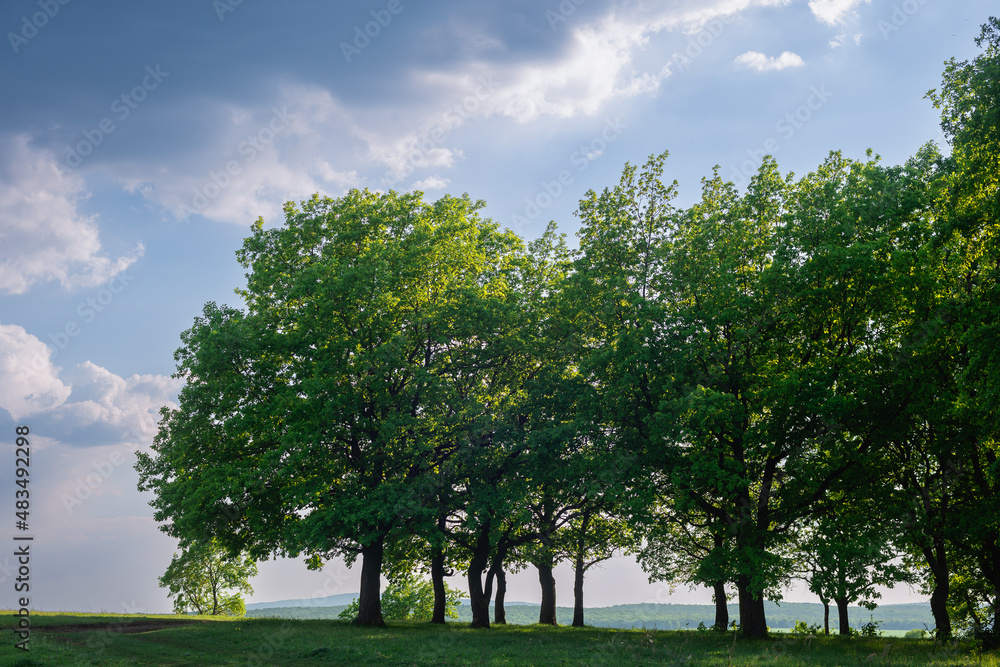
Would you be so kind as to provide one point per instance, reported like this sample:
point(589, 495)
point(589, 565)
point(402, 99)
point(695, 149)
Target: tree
point(307, 421)
point(205, 579)
point(847, 554)
point(591, 538)
point(409, 598)
point(970, 117)
point(497, 455)
point(682, 548)
point(767, 299)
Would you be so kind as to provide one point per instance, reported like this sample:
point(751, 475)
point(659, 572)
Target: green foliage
point(737, 387)
point(869, 628)
point(409, 598)
point(284, 642)
point(915, 634)
point(803, 628)
point(206, 580)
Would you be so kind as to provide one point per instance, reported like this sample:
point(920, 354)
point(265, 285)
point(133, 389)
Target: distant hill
point(342, 599)
point(653, 616)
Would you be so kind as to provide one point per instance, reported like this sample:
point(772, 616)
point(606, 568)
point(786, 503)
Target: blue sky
point(139, 141)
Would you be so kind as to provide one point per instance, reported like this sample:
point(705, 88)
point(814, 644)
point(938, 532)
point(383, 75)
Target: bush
point(915, 634)
point(869, 629)
point(802, 628)
point(409, 597)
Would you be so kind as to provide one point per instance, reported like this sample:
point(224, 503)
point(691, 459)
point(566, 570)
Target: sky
point(140, 140)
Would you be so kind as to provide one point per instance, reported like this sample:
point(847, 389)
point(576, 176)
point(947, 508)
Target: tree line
point(799, 379)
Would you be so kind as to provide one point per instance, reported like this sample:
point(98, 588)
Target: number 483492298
point(22, 472)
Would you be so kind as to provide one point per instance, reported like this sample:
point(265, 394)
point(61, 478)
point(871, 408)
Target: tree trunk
point(826, 617)
point(845, 623)
point(437, 581)
point(721, 607)
point(753, 624)
point(369, 600)
point(994, 640)
point(499, 613)
point(578, 590)
point(547, 612)
point(478, 600)
point(937, 560)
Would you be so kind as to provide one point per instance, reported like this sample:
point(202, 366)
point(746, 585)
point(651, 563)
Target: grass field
point(64, 640)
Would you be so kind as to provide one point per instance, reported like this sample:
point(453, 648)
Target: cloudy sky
point(140, 140)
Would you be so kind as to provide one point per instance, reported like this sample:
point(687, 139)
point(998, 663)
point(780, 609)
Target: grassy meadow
point(65, 639)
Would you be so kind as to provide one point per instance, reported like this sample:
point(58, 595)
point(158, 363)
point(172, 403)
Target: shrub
point(802, 628)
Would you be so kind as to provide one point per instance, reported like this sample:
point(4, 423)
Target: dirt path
point(125, 628)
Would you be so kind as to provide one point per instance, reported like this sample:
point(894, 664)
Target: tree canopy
point(739, 390)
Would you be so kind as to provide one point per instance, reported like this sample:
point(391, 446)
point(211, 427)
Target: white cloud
point(834, 12)
point(265, 157)
point(106, 408)
point(328, 143)
point(31, 382)
point(95, 407)
point(596, 67)
point(43, 236)
point(758, 61)
point(431, 183)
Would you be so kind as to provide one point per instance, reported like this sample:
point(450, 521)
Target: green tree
point(409, 598)
point(308, 421)
point(684, 548)
point(592, 537)
point(847, 555)
point(768, 299)
point(969, 101)
point(205, 579)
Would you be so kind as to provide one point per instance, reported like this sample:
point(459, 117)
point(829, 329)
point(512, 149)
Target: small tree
point(200, 577)
point(409, 598)
point(847, 555)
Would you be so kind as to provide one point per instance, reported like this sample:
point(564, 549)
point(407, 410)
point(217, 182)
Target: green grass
point(313, 642)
